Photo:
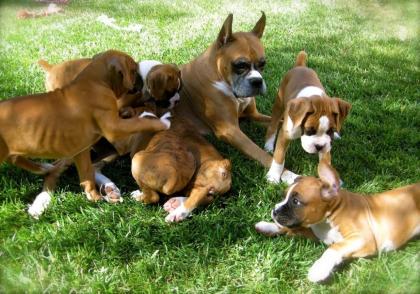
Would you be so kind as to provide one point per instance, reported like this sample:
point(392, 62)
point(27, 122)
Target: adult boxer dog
point(180, 160)
point(65, 123)
point(353, 225)
point(219, 87)
point(307, 113)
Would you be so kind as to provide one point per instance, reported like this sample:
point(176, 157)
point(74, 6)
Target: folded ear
point(341, 112)
point(227, 164)
point(259, 27)
point(121, 77)
point(330, 180)
point(298, 108)
point(225, 34)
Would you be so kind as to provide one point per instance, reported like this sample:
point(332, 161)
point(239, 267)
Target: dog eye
point(241, 66)
point(310, 131)
point(261, 64)
point(296, 201)
point(330, 132)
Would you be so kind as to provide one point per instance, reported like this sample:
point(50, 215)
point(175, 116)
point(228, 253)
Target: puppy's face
point(122, 70)
point(315, 120)
point(163, 83)
point(308, 200)
point(216, 176)
point(240, 59)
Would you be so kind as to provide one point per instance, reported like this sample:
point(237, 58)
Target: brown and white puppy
point(308, 113)
point(65, 123)
point(155, 81)
point(219, 87)
point(353, 225)
point(180, 160)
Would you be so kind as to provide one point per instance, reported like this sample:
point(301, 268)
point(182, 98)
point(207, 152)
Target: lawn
point(365, 53)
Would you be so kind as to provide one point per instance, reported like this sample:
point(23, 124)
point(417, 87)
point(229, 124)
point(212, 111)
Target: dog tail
point(301, 58)
point(45, 65)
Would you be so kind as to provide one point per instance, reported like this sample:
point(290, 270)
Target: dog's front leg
point(232, 134)
point(198, 196)
point(333, 256)
point(86, 175)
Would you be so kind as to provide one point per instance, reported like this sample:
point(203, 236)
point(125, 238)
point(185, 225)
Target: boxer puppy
point(353, 225)
point(155, 81)
point(180, 160)
point(219, 87)
point(65, 123)
point(307, 113)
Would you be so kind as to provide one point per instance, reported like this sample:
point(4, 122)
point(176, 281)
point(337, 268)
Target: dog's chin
point(244, 92)
point(285, 222)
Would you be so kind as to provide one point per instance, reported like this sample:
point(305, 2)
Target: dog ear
point(121, 76)
point(258, 30)
point(225, 34)
point(298, 109)
point(330, 180)
point(342, 109)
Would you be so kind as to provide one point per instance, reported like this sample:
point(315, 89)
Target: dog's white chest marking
point(327, 232)
point(310, 91)
point(387, 245)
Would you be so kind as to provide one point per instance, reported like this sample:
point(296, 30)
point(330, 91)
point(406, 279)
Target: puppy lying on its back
point(180, 160)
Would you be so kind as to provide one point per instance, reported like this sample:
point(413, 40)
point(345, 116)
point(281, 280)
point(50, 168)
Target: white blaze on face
point(321, 138)
point(254, 74)
point(173, 100)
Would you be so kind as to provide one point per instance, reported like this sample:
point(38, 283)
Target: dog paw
point(110, 193)
point(173, 203)
point(147, 114)
point(268, 229)
point(318, 273)
point(177, 215)
point(137, 195)
point(165, 119)
point(269, 144)
point(40, 203)
point(273, 177)
point(289, 177)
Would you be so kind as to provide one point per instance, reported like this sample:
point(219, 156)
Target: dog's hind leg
point(107, 188)
point(31, 166)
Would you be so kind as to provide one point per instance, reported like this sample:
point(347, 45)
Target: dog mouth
point(284, 220)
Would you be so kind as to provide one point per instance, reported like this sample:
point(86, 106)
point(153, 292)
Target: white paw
point(137, 195)
point(323, 267)
point(165, 119)
point(288, 177)
point(266, 228)
point(318, 272)
point(111, 193)
point(146, 113)
point(41, 203)
point(269, 144)
point(174, 203)
point(177, 215)
point(273, 175)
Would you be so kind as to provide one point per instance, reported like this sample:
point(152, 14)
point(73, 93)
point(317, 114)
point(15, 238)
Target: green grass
point(364, 53)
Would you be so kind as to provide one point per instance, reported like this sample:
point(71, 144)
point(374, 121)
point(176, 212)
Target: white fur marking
point(146, 113)
point(165, 119)
point(177, 215)
point(173, 100)
point(310, 91)
point(223, 87)
point(327, 232)
point(268, 228)
point(323, 267)
point(136, 194)
point(280, 204)
point(254, 74)
point(324, 124)
point(145, 67)
point(40, 203)
point(288, 177)
point(273, 175)
point(387, 245)
point(269, 144)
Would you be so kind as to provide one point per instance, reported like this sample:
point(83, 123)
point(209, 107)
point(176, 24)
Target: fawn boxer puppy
point(65, 123)
point(219, 87)
point(154, 81)
point(308, 113)
point(180, 160)
point(353, 225)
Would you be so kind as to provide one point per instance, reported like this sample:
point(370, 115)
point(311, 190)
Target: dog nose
point(256, 82)
point(319, 147)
